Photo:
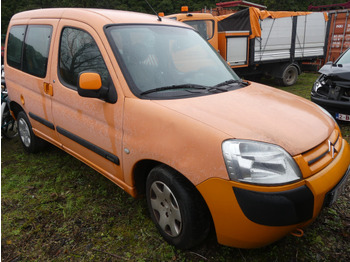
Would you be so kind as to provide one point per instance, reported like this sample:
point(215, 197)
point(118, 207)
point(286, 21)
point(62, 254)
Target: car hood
point(260, 113)
point(336, 72)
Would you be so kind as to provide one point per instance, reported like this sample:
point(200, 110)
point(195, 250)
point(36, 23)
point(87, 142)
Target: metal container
point(339, 34)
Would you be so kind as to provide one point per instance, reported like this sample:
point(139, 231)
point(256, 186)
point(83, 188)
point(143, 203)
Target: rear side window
point(14, 45)
point(78, 53)
point(36, 50)
point(28, 48)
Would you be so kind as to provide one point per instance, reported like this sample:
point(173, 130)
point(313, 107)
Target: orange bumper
point(250, 216)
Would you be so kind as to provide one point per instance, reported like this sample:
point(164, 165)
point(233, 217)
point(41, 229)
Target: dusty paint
point(186, 134)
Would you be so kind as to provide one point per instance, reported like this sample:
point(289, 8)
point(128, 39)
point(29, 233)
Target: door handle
point(48, 89)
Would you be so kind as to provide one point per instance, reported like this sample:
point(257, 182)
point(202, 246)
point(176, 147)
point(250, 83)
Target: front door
point(88, 128)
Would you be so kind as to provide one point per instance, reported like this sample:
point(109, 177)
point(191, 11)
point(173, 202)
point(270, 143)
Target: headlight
point(316, 85)
point(259, 163)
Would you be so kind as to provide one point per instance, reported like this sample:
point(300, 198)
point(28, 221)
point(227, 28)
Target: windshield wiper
point(229, 82)
point(198, 87)
point(173, 87)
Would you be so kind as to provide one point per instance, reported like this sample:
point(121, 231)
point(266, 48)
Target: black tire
point(177, 208)
point(289, 76)
point(30, 142)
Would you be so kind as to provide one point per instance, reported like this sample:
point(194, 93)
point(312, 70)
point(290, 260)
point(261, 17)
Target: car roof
point(94, 16)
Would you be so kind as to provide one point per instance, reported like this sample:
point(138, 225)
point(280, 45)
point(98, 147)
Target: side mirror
point(90, 81)
point(90, 85)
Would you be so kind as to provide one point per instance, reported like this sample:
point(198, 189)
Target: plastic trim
point(276, 208)
point(89, 145)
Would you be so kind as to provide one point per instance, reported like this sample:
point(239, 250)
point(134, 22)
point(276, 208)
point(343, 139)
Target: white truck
point(258, 42)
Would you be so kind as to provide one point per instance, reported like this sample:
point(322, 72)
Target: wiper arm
point(173, 87)
point(228, 82)
point(232, 81)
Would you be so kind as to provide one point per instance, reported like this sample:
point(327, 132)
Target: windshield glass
point(204, 27)
point(171, 61)
point(345, 59)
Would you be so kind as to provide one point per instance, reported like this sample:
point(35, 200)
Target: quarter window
point(14, 45)
point(28, 48)
point(36, 49)
point(79, 53)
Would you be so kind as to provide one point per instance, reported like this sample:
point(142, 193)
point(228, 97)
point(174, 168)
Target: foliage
point(55, 208)
point(9, 7)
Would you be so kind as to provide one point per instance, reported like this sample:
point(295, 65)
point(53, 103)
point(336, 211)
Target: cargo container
point(339, 34)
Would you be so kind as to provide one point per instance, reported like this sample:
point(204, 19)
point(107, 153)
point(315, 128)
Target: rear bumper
point(249, 216)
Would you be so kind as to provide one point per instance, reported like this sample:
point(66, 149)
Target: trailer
point(258, 42)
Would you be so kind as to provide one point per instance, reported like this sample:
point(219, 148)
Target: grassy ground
point(54, 208)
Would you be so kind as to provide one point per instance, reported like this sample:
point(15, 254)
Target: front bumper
point(332, 106)
point(250, 216)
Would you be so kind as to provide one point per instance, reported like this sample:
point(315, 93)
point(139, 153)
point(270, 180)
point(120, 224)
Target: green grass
point(55, 208)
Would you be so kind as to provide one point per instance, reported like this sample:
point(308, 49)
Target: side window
point(14, 45)
point(79, 53)
point(36, 49)
point(30, 54)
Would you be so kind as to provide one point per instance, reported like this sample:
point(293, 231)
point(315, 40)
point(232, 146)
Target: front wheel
point(177, 208)
point(30, 142)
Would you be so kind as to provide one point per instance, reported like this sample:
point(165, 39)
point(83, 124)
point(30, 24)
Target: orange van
point(149, 104)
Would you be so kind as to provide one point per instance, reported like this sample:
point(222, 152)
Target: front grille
point(319, 157)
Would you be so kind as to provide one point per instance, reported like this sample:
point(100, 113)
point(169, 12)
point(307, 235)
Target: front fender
point(154, 132)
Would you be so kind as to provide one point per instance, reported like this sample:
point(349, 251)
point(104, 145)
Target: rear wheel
point(30, 142)
point(177, 208)
point(289, 76)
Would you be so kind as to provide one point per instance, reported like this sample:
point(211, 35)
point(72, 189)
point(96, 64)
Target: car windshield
point(204, 27)
point(168, 61)
point(345, 59)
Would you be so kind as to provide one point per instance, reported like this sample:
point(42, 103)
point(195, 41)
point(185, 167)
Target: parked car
point(149, 104)
point(332, 88)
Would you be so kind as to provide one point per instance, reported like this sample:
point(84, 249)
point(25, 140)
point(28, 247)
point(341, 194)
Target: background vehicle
point(332, 89)
point(258, 42)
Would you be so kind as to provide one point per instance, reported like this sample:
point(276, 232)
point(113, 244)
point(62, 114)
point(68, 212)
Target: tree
point(10, 7)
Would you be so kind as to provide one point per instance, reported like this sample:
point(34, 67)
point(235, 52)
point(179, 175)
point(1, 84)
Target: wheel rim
point(165, 209)
point(290, 76)
point(24, 132)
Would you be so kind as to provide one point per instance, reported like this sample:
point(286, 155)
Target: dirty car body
point(332, 89)
point(151, 106)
